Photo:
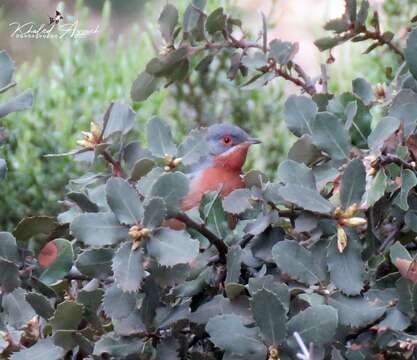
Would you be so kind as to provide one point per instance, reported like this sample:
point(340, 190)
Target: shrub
point(318, 265)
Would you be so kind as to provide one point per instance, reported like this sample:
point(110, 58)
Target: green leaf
point(407, 295)
point(351, 6)
point(297, 262)
point(170, 247)
point(261, 246)
point(171, 187)
point(168, 20)
point(141, 168)
point(155, 213)
point(144, 86)
point(395, 320)
point(16, 310)
point(120, 120)
point(308, 199)
point(383, 130)
point(68, 316)
point(95, 263)
point(234, 263)
point(144, 185)
point(337, 25)
point(410, 53)
point(258, 81)
point(160, 138)
point(270, 315)
point(237, 201)
point(6, 69)
point(117, 346)
point(35, 225)
point(327, 43)
point(8, 247)
point(43, 349)
point(128, 267)
point(82, 201)
point(282, 51)
point(398, 251)
point(346, 269)
point(192, 16)
point(356, 311)
point(362, 15)
point(378, 187)
point(330, 135)
point(316, 324)
point(299, 113)
point(193, 147)
point(304, 151)
point(292, 172)
point(9, 276)
point(255, 61)
point(363, 90)
point(355, 116)
point(408, 181)
point(407, 114)
point(40, 304)
point(268, 282)
point(228, 333)
point(353, 184)
point(124, 201)
point(69, 339)
point(20, 102)
point(62, 264)
point(118, 304)
point(216, 21)
point(98, 229)
point(211, 211)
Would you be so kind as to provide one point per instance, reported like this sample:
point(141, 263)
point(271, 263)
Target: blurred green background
point(74, 81)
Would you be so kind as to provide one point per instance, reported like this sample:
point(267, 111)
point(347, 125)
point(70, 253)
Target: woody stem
point(203, 230)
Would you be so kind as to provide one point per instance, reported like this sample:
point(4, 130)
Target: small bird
point(222, 168)
point(55, 19)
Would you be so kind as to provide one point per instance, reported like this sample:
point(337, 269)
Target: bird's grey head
point(223, 137)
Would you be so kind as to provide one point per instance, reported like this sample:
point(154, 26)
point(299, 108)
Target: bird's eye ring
point(227, 140)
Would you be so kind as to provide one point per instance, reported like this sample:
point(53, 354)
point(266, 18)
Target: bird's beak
point(253, 141)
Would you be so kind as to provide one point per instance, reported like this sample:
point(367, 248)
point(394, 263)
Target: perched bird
point(222, 168)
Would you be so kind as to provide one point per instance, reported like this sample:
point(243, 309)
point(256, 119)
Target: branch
point(211, 237)
point(117, 169)
point(376, 35)
point(303, 80)
point(393, 159)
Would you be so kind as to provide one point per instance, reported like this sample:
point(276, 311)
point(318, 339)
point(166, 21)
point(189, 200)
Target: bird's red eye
point(227, 140)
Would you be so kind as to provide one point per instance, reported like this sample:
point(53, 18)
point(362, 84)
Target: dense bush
point(319, 263)
point(64, 106)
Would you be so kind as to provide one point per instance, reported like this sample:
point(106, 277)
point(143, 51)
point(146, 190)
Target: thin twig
point(203, 230)
point(117, 169)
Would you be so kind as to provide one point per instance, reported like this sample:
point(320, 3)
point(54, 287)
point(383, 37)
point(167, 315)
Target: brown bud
point(273, 353)
point(379, 92)
point(341, 239)
point(350, 211)
point(355, 221)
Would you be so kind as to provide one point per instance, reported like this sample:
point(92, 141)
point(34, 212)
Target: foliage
point(62, 107)
point(321, 256)
point(19, 102)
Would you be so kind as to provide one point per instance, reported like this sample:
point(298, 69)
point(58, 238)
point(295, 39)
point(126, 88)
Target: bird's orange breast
point(212, 179)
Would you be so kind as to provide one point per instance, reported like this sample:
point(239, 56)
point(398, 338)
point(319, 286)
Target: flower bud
point(273, 353)
point(355, 221)
point(95, 129)
point(177, 161)
point(350, 211)
point(341, 239)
